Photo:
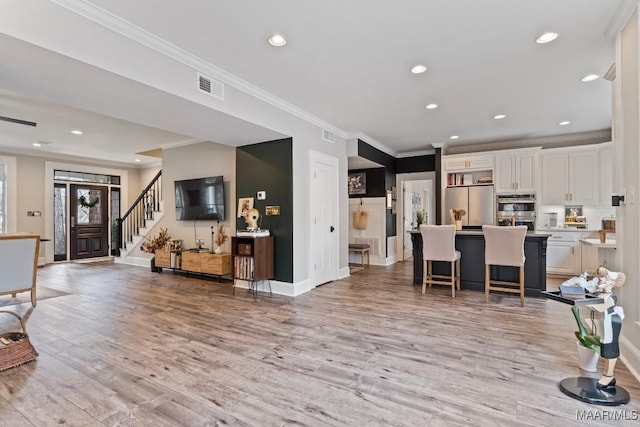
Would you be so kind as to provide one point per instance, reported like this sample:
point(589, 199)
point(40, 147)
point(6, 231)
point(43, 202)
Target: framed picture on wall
point(244, 205)
point(357, 183)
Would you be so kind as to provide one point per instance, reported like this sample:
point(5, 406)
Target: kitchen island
point(470, 243)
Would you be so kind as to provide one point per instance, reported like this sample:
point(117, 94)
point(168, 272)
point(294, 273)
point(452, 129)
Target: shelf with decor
point(253, 260)
point(459, 179)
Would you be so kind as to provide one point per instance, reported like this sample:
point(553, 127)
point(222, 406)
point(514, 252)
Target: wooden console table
point(202, 262)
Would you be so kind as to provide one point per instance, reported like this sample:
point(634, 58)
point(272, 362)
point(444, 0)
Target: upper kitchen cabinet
point(570, 176)
point(467, 162)
point(516, 171)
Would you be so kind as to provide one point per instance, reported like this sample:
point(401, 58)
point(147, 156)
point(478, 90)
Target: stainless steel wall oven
point(516, 209)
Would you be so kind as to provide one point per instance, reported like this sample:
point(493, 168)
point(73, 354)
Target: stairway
point(140, 222)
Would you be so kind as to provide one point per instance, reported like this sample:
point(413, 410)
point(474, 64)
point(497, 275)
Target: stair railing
point(140, 211)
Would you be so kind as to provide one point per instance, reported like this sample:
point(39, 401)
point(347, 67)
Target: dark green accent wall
point(268, 166)
point(426, 163)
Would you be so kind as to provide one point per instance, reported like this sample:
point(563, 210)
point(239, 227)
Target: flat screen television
point(200, 199)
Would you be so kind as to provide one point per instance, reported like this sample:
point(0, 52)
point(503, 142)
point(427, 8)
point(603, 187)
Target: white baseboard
point(343, 273)
point(279, 288)
point(130, 260)
point(630, 355)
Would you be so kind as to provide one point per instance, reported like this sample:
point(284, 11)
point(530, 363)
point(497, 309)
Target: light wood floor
point(131, 347)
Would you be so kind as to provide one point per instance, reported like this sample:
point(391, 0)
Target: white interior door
point(324, 218)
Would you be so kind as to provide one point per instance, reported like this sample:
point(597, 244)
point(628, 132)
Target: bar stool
point(438, 244)
point(504, 246)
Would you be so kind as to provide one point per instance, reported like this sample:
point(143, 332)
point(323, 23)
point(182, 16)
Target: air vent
point(18, 121)
point(328, 136)
point(210, 87)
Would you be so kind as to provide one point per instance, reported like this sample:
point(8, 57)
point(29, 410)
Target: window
point(8, 194)
point(62, 175)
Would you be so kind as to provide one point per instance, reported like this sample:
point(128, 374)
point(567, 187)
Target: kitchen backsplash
point(593, 216)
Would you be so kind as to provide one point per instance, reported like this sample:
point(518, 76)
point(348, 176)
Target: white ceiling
point(347, 63)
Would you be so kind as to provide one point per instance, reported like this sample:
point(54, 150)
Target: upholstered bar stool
point(504, 246)
point(439, 244)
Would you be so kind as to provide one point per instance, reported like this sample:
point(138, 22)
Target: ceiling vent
point(328, 136)
point(18, 121)
point(210, 87)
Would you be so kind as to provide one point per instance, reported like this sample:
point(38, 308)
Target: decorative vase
point(587, 358)
point(218, 250)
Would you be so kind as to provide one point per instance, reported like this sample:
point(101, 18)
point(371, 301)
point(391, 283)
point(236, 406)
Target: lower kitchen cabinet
point(564, 253)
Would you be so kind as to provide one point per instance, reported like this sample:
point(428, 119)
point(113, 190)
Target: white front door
point(323, 198)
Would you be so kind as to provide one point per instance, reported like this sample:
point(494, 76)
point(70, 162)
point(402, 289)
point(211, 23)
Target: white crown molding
point(416, 153)
point(621, 17)
point(544, 142)
point(611, 73)
point(374, 143)
point(436, 145)
point(139, 35)
point(182, 143)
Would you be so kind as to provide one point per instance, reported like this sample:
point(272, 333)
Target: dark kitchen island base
point(470, 243)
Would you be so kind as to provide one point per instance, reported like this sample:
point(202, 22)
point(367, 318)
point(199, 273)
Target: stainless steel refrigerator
point(477, 200)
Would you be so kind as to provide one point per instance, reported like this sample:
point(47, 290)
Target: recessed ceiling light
point(431, 106)
point(454, 137)
point(77, 132)
point(546, 38)
point(277, 40)
point(37, 144)
point(418, 69)
point(499, 116)
point(590, 77)
point(566, 122)
point(138, 160)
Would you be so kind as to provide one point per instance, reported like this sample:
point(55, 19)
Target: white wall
point(198, 161)
point(375, 232)
point(626, 135)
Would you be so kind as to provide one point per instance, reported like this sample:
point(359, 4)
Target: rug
point(42, 292)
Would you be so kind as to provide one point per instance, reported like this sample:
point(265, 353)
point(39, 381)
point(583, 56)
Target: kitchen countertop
point(573, 229)
point(608, 244)
point(479, 233)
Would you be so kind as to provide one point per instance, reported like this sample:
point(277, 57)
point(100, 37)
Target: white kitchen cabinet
point(570, 176)
point(468, 162)
point(516, 173)
point(564, 255)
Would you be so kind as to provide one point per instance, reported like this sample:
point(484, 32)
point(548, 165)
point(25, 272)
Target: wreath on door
point(88, 203)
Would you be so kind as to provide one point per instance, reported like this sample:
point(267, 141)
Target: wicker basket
point(360, 220)
point(18, 350)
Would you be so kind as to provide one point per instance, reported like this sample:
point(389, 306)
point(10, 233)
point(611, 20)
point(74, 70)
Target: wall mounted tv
point(200, 199)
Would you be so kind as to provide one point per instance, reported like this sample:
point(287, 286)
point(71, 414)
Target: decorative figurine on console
point(251, 218)
point(612, 316)
point(598, 298)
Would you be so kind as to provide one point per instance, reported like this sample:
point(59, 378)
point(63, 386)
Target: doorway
point(323, 201)
point(418, 195)
point(88, 221)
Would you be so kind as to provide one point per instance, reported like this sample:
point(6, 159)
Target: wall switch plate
point(262, 195)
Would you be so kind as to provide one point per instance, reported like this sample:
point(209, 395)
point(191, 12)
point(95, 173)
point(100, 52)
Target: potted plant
point(220, 238)
point(588, 345)
point(419, 218)
point(152, 244)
